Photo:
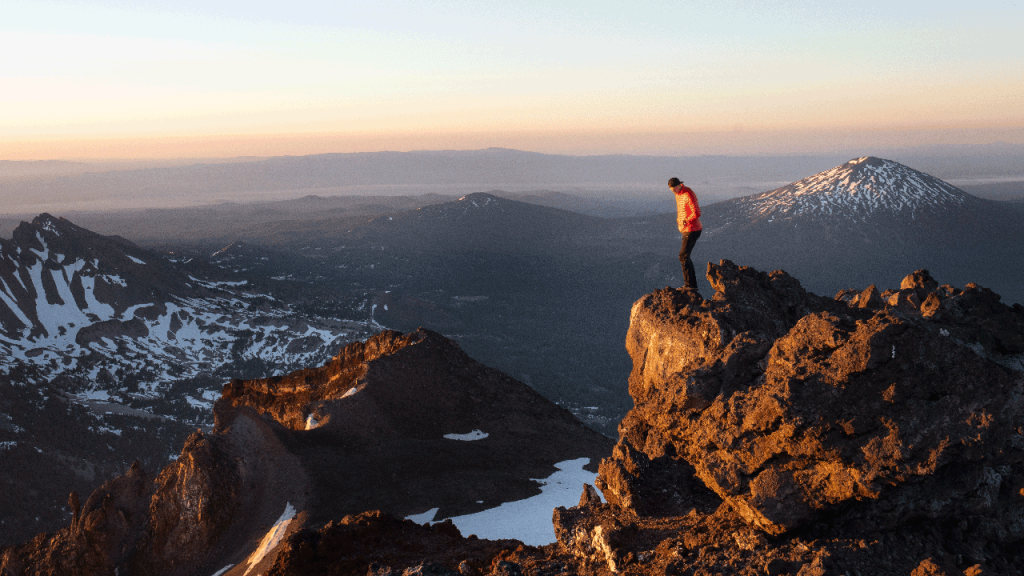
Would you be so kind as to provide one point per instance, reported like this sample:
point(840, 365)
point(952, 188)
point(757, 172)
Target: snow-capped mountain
point(869, 220)
point(856, 190)
point(75, 302)
point(111, 353)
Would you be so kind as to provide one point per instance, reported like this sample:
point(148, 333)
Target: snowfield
point(474, 435)
point(529, 520)
point(101, 314)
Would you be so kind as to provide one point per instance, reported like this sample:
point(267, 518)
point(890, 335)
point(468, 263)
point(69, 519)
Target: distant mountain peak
point(862, 187)
point(53, 224)
point(479, 199)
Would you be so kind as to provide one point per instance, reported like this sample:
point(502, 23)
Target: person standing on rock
point(688, 219)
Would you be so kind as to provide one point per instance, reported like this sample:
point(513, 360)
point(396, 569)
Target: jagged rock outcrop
point(775, 432)
point(413, 412)
point(401, 423)
point(851, 417)
point(220, 495)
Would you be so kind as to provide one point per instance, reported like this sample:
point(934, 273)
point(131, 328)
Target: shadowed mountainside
point(400, 423)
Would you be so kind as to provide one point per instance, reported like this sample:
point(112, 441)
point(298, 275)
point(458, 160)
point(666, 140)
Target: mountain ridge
point(67, 293)
point(427, 428)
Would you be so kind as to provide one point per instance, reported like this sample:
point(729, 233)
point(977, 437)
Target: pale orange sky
point(90, 80)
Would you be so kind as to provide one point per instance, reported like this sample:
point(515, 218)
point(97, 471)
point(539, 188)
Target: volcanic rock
point(808, 414)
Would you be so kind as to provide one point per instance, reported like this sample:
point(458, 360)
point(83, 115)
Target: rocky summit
point(862, 434)
point(774, 432)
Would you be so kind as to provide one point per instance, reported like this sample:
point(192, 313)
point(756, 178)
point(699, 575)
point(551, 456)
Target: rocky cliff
point(861, 434)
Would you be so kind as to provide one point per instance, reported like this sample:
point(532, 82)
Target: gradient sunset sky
point(145, 79)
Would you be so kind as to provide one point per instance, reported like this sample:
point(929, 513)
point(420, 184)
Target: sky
point(146, 79)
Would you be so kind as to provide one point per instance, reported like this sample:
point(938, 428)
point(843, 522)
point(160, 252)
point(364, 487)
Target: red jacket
point(687, 211)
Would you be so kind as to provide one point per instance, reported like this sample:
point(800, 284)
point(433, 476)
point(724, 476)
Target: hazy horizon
point(63, 188)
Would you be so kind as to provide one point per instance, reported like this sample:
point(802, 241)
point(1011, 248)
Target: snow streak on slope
point(860, 188)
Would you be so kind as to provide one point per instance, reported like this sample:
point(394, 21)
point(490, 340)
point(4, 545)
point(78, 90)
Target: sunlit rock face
point(872, 410)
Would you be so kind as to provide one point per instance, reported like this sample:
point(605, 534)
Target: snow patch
point(311, 422)
point(529, 520)
point(109, 430)
point(273, 537)
point(101, 395)
point(423, 518)
point(474, 435)
point(196, 403)
point(45, 254)
point(49, 227)
point(12, 305)
point(134, 259)
point(223, 570)
point(351, 392)
point(130, 312)
point(211, 284)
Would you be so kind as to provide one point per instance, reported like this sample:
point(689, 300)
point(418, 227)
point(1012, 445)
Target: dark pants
point(689, 276)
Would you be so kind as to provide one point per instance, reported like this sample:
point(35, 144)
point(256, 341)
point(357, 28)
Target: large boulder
point(797, 409)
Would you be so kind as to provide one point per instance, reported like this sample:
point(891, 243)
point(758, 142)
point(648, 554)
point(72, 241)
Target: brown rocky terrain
point(774, 432)
point(862, 434)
